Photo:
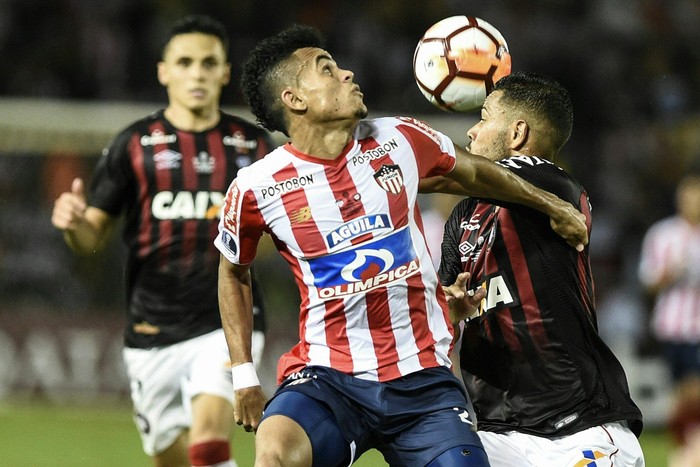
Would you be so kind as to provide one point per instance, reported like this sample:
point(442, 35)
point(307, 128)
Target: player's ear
point(226, 78)
point(519, 134)
point(162, 74)
point(292, 100)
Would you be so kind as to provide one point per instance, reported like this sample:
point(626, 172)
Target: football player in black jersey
point(167, 174)
point(546, 389)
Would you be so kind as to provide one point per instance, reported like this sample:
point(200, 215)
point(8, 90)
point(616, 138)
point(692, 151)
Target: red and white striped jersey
point(351, 231)
point(673, 244)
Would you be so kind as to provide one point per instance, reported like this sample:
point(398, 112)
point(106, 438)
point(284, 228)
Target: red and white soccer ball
point(457, 62)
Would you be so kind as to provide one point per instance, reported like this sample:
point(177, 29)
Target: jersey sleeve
point(435, 151)
point(450, 260)
point(240, 227)
point(112, 176)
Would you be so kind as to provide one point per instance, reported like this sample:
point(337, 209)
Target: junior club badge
point(390, 178)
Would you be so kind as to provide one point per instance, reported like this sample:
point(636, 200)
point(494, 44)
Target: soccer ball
point(457, 62)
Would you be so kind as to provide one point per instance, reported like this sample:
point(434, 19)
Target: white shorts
point(165, 379)
point(601, 446)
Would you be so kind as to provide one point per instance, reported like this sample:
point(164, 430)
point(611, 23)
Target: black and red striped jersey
point(170, 185)
point(532, 360)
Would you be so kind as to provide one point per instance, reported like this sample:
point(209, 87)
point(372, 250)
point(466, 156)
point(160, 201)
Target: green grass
point(37, 434)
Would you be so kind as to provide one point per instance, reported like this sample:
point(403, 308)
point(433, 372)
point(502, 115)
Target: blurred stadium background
point(76, 71)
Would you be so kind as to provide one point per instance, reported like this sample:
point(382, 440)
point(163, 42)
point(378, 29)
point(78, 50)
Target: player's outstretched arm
point(85, 228)
point(485, 179)
point(236, 308)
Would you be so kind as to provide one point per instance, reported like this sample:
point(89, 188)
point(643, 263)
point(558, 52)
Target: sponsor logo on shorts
point(463, 416)
point(589, 458)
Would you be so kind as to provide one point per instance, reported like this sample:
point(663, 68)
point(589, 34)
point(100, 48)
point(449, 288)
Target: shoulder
point(546, 175)
point(463, 208)
point(414, 130)
point(147, 129)
point(262, 171)
point(663, 227)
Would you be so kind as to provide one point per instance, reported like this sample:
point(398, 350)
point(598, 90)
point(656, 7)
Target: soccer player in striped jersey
point(168, 173)
point(546, 389)
point(669, 268)
point(372, 367)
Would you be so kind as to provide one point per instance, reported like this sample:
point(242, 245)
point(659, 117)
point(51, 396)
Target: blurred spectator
point(670, 269)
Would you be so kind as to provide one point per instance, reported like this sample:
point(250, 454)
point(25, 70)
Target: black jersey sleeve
point(112, 176)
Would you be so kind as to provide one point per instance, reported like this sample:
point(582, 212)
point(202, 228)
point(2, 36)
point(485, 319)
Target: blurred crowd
point(633, 67)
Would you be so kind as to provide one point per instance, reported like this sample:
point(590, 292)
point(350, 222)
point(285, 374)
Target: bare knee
point(282, 442)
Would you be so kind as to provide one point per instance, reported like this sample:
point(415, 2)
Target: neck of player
point(195, 120)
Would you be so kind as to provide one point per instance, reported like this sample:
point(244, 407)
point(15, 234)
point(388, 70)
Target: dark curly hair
point(542, 97)
point(261, 75)
point(197, 23)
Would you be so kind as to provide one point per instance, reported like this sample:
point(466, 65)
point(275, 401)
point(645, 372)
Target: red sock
point(210, 453)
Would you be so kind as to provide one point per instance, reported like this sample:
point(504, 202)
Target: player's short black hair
point(261, 73)
point(543, 97)
point(198, 23)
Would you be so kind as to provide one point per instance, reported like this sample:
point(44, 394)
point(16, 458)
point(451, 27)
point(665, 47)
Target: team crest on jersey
point(365, 267)
point(167, 160)
point(204, 163)
point(390, 178)
point(356, 228)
